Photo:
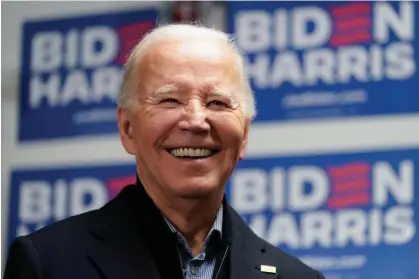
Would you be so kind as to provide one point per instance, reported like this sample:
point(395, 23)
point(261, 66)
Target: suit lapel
point(117, 248)
point(116, 261)
point(247, 255)
point(244, 264)
point(131, 239)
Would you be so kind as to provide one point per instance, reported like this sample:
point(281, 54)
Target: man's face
point(186, 130)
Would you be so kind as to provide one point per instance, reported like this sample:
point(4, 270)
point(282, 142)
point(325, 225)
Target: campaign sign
point(41, 197)
point(72, 71)
point(329, 59)
point(348, 215)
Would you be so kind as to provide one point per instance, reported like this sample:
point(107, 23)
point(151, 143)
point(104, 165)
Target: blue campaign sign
point(71, 72)
point(41, 197)
point(329, 59)
point(352, 216)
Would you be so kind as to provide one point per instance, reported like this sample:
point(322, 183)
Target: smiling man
point(184, 112)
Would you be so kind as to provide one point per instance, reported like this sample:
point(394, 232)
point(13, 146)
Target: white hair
point(180, 31)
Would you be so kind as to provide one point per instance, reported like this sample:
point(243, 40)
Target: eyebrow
point(223, 93)
point(165, 89)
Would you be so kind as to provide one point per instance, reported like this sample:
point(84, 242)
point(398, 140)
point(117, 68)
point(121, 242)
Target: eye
point(216, 103)
point(170, 101)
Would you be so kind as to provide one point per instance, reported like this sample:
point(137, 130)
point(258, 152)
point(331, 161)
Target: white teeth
point(190, 152)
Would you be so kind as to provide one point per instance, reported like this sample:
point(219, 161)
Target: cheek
point(230, 129)
point(153, 124)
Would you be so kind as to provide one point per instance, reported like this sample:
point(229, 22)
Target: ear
point(245, 140)
point(125, 131)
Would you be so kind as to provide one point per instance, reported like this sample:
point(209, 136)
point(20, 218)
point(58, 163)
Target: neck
point(191, 217)
point(193, 222)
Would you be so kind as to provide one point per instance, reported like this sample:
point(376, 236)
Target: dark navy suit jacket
point(128, 238)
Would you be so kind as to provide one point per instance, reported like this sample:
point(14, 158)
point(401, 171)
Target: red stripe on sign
point(344, 25)
point(130, 35)
point(346, 39)
point(350, 9)
point(348, 193)
point(348, 201)
point(136, 29)
point(117, 184)
point(356, 168)
point(362, 183)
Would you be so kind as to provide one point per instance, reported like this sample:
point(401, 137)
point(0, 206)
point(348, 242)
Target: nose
point(194, 118)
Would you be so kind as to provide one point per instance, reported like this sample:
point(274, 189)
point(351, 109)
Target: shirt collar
point(216, 226)
point(215, 229)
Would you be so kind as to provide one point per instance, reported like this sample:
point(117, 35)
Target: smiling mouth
point(192, 153)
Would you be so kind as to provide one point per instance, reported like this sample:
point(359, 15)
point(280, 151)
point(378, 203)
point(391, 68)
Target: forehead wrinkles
point(168, 65)
point(192, 54)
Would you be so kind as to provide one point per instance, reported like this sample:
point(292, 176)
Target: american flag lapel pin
point(268, 269)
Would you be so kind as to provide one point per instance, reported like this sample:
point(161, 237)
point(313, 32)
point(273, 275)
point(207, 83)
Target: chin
point(195, 191)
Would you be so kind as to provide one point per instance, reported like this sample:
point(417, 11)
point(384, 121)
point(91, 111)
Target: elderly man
point(184, 112)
